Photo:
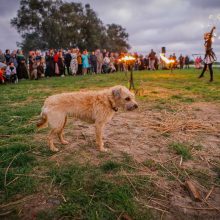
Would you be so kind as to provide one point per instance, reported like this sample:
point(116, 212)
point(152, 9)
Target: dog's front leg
point(99, 133)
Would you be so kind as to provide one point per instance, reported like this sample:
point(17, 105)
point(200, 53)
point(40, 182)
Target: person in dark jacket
point(181, 61)
point(60, 63)
point(93, 62)
point(7, 56)
point(187, 62)
point(22, 71)
point(67, 60)
point(47, 61)
point(52, 63)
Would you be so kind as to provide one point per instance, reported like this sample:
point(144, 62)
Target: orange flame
point(127, 58)
point(166, 60)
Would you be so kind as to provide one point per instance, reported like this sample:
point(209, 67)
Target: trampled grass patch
point(202, 176)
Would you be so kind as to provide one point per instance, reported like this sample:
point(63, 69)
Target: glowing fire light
point(127, 59)
point(166, 60)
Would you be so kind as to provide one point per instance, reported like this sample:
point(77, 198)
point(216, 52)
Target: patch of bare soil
point(39, 203)
point(145, 134)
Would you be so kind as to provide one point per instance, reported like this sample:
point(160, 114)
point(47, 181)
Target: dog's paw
point(54, 149)
point(103, 149)
point(65, 142)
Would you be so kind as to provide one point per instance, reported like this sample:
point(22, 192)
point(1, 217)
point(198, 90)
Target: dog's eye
point(128, 99)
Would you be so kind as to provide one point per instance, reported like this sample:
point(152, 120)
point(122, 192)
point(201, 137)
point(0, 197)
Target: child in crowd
point(11, 73)
point(33, 74)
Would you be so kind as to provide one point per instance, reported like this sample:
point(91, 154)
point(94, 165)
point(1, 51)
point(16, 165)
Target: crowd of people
point(14, 66)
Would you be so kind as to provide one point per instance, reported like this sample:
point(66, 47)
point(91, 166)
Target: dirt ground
point(142, 133)
point(145, 134)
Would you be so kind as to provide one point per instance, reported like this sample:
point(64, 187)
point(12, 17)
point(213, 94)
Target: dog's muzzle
point(131, 107)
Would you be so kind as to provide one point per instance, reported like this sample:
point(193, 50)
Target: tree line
point(45, 24)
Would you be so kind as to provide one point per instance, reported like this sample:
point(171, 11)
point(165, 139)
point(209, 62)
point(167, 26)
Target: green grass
point(182, 150)
point(110, 166)
point(89, 189)
point(91, 194)
point(185, 150)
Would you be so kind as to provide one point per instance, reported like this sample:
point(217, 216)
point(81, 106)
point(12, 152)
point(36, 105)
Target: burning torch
point(129, 61)
point(168, 62)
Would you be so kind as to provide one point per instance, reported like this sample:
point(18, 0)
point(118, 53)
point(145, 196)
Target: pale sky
point(178, 25)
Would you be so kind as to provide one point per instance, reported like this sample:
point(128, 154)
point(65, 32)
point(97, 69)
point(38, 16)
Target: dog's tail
point(43, 122)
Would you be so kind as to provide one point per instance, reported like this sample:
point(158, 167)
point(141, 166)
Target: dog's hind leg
point(61, 135)
point(99, 133)
point(51, 136)
point(57, 121)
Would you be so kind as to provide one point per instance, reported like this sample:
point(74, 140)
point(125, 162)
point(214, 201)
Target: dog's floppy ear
point(116, 92)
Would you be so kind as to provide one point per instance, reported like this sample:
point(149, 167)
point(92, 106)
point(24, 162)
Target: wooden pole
point(131, 78)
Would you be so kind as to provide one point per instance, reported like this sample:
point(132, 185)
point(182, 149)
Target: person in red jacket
point(56, 58)
point(2, 72)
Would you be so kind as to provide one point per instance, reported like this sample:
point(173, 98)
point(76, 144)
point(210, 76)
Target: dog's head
point(124, 98)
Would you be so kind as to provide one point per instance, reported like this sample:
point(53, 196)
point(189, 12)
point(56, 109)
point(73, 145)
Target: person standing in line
point(33, 73)
point(13, 59)
point(40, 68)
point(152, 57)
point(112, 63)
point(93, 62)
point(67, 60)
point(175, 61)
point(51, 62)
point(61, 65)
point(7, 56)
point(2, 57)
point(99, 56)
point(79, 61)
point(181, 59)
point(74, 62)
point(22, 71)
point(200, 62)
point(186, 62)
point(106, 63)
point(55, 59)
point(116, 63)
point(31, 59)
point(85, 62)
point(104, 52)
point(47, 61)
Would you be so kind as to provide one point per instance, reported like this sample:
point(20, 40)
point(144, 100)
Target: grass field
point(183, 114)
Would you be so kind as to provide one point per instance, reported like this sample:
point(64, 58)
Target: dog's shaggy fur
point(92, 106)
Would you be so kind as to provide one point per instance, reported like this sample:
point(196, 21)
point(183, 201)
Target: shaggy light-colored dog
point(96, 107)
